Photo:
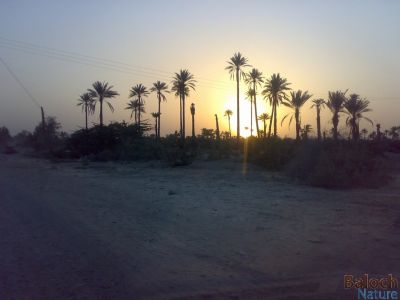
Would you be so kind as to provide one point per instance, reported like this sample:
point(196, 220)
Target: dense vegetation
point(332, 159)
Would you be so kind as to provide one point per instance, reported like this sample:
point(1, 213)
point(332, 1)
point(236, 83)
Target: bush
point(273, 153)
point(4, 136)
point(340, 165)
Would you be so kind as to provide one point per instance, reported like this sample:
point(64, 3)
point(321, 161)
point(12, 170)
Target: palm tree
point(296, 101)
point(156, 117)
point(193, 112)
point(255, 78)
point(160, 88)
point(235, 68)
point(134, 106)
point(228, 114)
point(101, 91)
point(264, 117)
point(139, 91)
point(355, 107)
point(250, 95)
point(364, 133)
point(181, 85)
point(86, 101)
point(394, 132)
point(318, 104)
point(335, 105)
point(275, 91)
point(307, 129)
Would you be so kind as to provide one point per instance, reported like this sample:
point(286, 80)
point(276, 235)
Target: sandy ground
point(206, 231)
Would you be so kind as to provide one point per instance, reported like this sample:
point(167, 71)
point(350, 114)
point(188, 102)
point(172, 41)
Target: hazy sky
point(317, 45)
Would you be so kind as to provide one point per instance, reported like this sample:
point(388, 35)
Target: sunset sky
point(317, 45)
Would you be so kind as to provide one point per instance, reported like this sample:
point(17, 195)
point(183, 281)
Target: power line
point(100, 62)
point(20, 83)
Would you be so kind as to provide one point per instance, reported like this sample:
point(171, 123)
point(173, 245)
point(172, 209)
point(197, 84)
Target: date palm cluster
point(276, 90)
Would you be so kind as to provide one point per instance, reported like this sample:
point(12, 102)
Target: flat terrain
point(213, 230)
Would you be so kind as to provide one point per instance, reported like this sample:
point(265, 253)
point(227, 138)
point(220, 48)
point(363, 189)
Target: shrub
point(340, 165)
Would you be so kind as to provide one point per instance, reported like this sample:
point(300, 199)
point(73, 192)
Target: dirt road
point(207, 231)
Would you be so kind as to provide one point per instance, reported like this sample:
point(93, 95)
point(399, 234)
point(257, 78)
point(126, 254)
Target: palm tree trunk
point(335, 121)
point(156, 128)
point(139, 112)
point(251, 115)
point(275, 121)
point(86, 117)
point(229, 122)
point(159, 116)
point(101, 111)
point(180, 114)
point(265, 129)
point(318, 124)
point(237, 105)
point(296, 116)
point(183, 116)
point(255, 109)
point(193, 132)
point(270, 121)
point(135, 110)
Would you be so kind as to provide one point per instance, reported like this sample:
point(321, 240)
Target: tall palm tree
point(255, 78)
point(275, 91)
point(101, 91)
point(264, 117)
point(160, 88)
point(156, 118)
point(228, 113)
point(355, 107)
point(318, 104)
point(139, 91)
point(250, 95)
point(182, 83)
point(235, 67)
point(87, 103)
point(193, 112)
point(296, 101)
point(134, 106)
point(335, 104)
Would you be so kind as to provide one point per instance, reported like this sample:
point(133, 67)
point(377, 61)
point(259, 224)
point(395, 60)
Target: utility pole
point(193, 112)
point(43, 121)
point(217, 131)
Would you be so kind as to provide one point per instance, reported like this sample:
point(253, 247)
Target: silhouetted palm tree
point(364, 133)
point(181, 85)
point(250, 95)
point(156, 118)
point(235, 67)
point(355, 107)
point(264, 117)
point(305, 131)
point(193, 112)
point(102, 91)
point(134, 106)
point(87, 103)
point(335, 104)
point(139, 91)
point(297, 100)
point(160, 88)
point(255, 78)
point(318, 104)
point(275, 91)
point(228, 114)
point(394, 132)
